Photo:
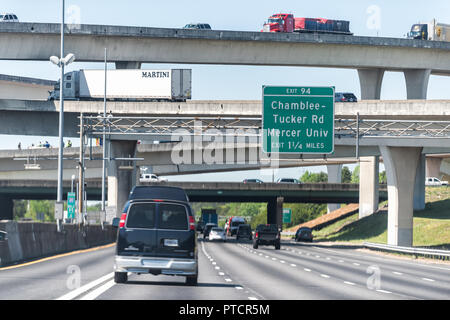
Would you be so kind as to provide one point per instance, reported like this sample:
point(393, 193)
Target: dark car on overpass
point(156, 235)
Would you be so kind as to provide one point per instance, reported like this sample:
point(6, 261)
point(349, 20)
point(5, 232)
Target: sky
point(214, 82)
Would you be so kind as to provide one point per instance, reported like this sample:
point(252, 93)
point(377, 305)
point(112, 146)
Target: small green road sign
point(287, 215)
point(298, 119)
point(71, 204)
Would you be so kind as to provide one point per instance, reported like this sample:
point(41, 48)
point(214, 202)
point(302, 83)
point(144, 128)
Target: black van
point(156, 235)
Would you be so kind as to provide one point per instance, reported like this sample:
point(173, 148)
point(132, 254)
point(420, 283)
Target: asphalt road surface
point(235, 271)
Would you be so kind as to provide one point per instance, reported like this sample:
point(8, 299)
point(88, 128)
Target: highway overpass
point(275, 194)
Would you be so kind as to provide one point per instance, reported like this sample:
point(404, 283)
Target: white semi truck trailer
point(126, 84)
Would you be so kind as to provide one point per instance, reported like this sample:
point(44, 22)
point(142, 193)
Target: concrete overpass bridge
point(372, 57)
point(131, 46)
point(274, 194)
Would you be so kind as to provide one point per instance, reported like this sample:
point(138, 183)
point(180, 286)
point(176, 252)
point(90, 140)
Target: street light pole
point(61, 118)
point(104, 143)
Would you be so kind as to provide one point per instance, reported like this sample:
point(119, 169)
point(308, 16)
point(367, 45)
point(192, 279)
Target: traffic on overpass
point(250, 156)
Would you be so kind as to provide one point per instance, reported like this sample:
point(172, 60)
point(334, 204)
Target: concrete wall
point(31, 240)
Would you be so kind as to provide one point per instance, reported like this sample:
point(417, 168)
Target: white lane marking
point(324, 276)
point(266, 256)
point(356, 264)
point(252, 298)
point(221, 274)
point(383, 291)
point(239, 288)
point(350, 283)
point(274, 259)
point(341, 261)
point(214, 263)
point(428, 279)
point(282, 261)
point(75, 293)
point(217, 268)
point(307, 270)
point(397, 273)
point(328, 258)
point(293, 265)
point(228, 280)
point(100, 290)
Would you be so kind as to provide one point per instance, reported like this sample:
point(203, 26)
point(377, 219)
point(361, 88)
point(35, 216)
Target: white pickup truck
point(432, 181)
point(150, 177)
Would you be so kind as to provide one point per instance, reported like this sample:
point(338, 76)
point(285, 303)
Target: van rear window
point(141, 215)
point(172, 216)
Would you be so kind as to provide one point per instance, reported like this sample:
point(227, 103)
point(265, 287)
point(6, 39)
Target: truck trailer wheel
point(255, 245)
point(277, 246)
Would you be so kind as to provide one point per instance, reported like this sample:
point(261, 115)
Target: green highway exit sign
point(298, 119)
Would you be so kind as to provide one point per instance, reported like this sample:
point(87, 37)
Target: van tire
point(192, 280)
point(120, 277)
point(255, 245)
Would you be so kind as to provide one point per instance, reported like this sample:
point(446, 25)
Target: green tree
point(20, 209)
point(311, 177)
point(47, 207)
point(355, 175)
point(382, 177)
point(346, 175)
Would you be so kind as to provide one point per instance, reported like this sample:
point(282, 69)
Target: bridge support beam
point(6, 208)
point(419, 184)
point(334, 176)
point(370, 81)
point(368, 186)
point(401, 164)
point(417, 83)
point(128, 65)
point(275, 211)
point(433, 167)
point(121, 174)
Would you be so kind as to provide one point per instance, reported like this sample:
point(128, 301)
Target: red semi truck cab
point(280, 22)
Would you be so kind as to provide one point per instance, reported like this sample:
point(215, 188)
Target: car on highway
point(8, 17)
point(432, 181)
point(156, 235)
point(217, 233)
point(345, 97)
point(267, 234)
point(233, 223)
point(244, 231)
point(149, 177)
point(303, 234)
point(198, 26)
point(3, 236)
point(288, 180)
point(252, 181)
point(207, 229)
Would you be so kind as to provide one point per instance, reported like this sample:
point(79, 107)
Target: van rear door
point(138, 237)
point(174, 237)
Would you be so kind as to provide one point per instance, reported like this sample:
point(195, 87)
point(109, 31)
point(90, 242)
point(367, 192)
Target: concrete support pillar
point(433, 167)
point(368, 186)
point(419, 185)
point(370, 81)
point(6, 208)
point(334, 176)
point(401, 164)
point(417, 83)
point(120, 175)
point(128, 65)
point(275, 211)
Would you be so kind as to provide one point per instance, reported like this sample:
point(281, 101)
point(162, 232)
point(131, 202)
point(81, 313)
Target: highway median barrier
point(33, 240)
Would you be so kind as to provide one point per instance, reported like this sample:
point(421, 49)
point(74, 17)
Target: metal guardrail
point(440, 254)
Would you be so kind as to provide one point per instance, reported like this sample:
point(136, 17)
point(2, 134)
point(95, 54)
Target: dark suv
point(244, 231)
point(156, 235)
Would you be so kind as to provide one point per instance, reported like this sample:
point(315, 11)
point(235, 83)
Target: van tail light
point(122, 220)
point(191, 223)
point(256, 234)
